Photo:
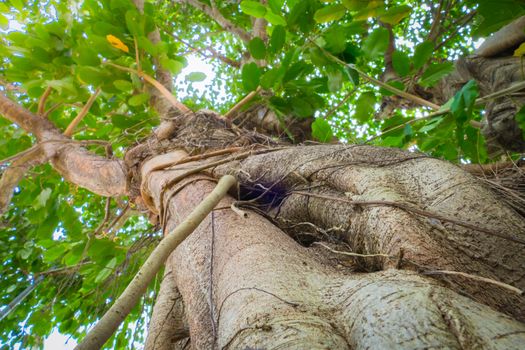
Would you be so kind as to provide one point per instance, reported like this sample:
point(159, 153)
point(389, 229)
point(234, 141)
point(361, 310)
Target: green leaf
point(365, 107)
point(92, 75)
point(302, 107)
point(257, 48)
point(25, 253)
point(272, 78)
point(41, 199)
point(395, 83)
point(274, 19)
point(4, 22)
point(251, 75)
point(106, 271)
point(123, 85)
point(435, 72)
point(123, 122)
point(86, 56)
point(335, 78)
point(138, 100)
point(335, 39)
point(321, 130)
point(422, 53)
point(56, 251)
point(463, 102)
point(277, 39)
point(276, 5)
point(173, 66)
point(401, 63)
point(376, 43)
point(134, 22)
point(395, 14)
point(355, 5)
point(253, 8)
point(330, 13)
point(195, 77)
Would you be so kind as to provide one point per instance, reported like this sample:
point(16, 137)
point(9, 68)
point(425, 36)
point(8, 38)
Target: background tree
point(328, 244)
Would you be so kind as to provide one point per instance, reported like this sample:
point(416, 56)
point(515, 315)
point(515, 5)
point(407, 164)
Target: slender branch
point(20, 297)
point(215, 14)
point(436, 23)
point(241, 103)
point(480, 101)
point(42, 101)
point(83, 112)
point(377, 82)
point(165, 92)
point(214, 53)
point(111, 320)
point(457, 26)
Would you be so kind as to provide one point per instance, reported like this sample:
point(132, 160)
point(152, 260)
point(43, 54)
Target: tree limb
point(106, 177)
point(215, 14)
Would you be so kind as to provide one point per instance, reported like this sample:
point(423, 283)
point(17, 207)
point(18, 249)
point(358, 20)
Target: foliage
point(312, 59)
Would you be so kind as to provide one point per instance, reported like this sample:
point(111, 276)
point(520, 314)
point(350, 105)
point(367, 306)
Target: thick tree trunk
point(247, 284)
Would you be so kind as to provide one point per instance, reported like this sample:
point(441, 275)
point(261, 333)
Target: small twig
point(61, 270)
point(354, 254)
point(105, 220)
point(214, 53)
point(377, 82)
point(480, 101)
point(83, 112)
point(418, 212)
point(342, 102)
point(42, 101)
point(137, 60)
point(161, 88)
point(476, 278)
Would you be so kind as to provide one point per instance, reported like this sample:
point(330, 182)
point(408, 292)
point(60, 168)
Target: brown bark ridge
point(168, 322)
point(106, 177)
point(246, 284)
point(365, 173)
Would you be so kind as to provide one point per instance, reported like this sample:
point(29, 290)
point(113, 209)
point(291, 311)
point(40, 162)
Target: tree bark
point(246, 284)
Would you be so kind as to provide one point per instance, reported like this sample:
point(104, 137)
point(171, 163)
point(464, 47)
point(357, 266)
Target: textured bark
point(168, 322)
point(246, 284)
point(106, 177)
point(367, 173)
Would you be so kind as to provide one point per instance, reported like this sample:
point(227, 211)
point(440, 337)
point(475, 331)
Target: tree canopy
point(357, 71)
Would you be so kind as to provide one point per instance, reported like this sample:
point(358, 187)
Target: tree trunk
point(247, 284)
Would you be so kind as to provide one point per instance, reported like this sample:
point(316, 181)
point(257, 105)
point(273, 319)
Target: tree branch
point(214, 53)
point(106, 177)
point(71, 127)
point(215, 14)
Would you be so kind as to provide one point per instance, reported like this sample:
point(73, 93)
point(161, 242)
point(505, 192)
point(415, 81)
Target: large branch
point(100, 175)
